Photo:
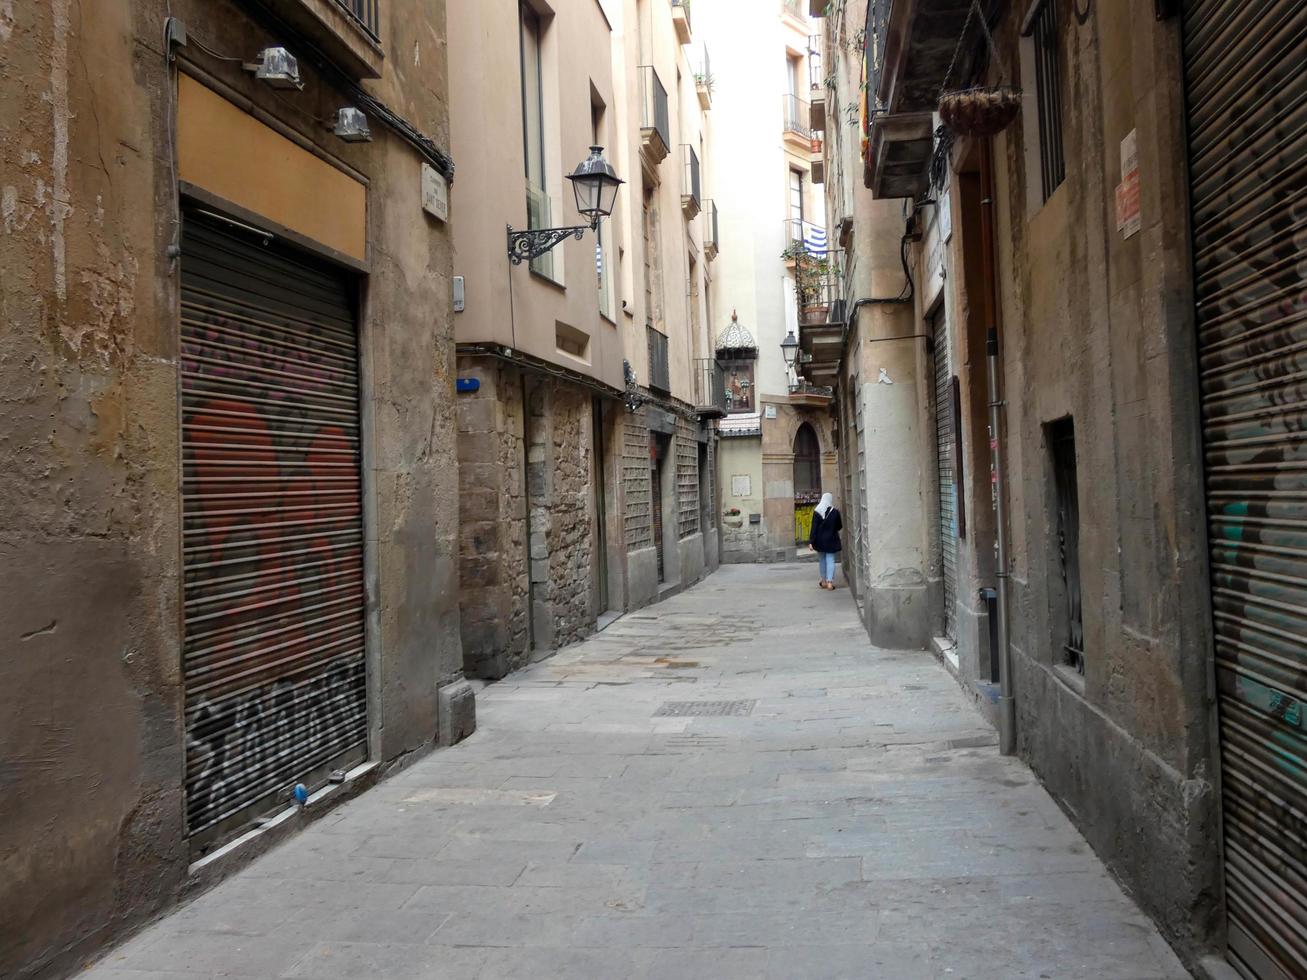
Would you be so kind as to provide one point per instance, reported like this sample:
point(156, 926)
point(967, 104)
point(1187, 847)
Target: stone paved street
point(850, 817)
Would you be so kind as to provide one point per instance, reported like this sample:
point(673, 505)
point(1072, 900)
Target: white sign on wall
point(741, 486)
point(435, 193)
point(770, 411)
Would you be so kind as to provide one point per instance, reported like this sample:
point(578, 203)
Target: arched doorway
point(807, 480)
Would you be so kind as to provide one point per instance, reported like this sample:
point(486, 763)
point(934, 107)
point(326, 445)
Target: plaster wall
point(93, 807)
point(513, 305)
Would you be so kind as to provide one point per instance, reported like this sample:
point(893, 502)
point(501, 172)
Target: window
point(807, 461)
point(796, 203)
point(653, 295)
point(533, 132)
point(1061, 438)
point(1043, 48)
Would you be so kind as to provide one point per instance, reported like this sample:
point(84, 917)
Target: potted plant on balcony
point(812, 273)
point(980, 110)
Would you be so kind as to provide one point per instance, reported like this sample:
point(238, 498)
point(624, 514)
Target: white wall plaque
point(770, 411)
point(435, 193)
point(741, 486)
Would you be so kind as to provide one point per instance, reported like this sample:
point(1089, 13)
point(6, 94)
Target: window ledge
point(1071, 677)
point(342, 38)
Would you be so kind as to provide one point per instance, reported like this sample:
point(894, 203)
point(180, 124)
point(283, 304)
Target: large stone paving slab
point(819, 810)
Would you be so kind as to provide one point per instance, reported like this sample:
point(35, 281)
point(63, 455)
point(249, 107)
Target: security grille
point(272, 550)
point(944, 447)
point(1043, 29)
point(1246, 95)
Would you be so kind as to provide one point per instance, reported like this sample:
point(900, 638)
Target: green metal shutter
point(948, 541)
point(1246, 91)
point(273, 655)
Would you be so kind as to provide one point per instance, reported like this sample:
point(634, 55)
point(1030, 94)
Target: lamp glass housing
point(790, 349)
point(595, 185)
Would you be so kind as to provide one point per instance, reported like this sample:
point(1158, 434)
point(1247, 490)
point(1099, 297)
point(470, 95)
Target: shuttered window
point(1246, 95)
point(273, 655)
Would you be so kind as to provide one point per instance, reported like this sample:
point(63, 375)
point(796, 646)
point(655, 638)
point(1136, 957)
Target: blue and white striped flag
point(814, 239)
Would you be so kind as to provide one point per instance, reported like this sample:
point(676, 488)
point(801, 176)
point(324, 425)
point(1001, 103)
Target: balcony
point(817, 111)
point(910, 44)
point(659, 369)
point(710, 231)
point(703, 81)
point(819, 285)
point(681, 20)
point(710, 388)
point(347, 31)
point(796, 123)
point(809, 395)
point(655, 132)
point(690, 191)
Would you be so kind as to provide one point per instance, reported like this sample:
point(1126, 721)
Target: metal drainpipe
point(1007, 735)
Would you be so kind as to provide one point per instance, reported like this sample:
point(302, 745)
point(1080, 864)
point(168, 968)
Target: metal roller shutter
point(948, 542)
point(273, 656)
point(1246, 91)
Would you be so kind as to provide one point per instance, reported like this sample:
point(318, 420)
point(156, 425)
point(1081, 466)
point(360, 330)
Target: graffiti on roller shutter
point(274, 583)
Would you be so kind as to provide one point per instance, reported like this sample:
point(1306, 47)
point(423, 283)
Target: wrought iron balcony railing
point(795, 114)
point(710, 387)
point(365, 12)
point(691, 197)
point(710, 230)
point(655, 130)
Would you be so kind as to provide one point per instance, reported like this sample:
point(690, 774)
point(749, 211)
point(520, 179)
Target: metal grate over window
point(1041, 27)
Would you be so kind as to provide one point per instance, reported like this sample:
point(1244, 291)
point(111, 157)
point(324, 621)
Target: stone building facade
point(1113, 251)
point(228, 421)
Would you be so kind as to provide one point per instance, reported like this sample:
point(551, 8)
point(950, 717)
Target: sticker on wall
point(1127, 192)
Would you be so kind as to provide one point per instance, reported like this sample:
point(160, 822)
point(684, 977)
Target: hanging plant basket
point(981, 111)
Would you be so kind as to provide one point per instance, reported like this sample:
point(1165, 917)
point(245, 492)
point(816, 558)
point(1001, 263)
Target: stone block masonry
point(492, 516)
point(527, 512)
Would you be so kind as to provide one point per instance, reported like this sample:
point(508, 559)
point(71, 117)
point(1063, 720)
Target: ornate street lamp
point(790, 350)
point(595, 185)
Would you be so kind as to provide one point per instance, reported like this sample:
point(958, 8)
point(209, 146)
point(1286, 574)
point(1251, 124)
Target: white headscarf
point(824, 507)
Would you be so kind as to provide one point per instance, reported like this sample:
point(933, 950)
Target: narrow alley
point(729, 784)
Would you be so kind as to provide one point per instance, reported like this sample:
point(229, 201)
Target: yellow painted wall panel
point(231, 154)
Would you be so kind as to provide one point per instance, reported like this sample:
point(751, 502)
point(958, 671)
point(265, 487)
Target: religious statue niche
point(739, 385)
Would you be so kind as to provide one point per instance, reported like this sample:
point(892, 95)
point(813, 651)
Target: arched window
point(807, 461)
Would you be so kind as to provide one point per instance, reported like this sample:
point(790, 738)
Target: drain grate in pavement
point(700, 709)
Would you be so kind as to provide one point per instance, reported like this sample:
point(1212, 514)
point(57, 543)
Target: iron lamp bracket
point(534, 242)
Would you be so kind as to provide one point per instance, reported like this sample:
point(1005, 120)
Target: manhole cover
point(682, 709)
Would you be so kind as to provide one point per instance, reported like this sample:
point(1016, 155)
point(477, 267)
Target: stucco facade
point(97, 189)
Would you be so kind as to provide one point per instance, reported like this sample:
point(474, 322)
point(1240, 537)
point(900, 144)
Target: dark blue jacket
point(825, 536)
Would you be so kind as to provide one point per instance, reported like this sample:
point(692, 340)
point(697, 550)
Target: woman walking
point(825, 538)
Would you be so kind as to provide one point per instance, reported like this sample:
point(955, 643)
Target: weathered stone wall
point(570, 515)
point(91, 726)
point(492, 519)
point(1100, 327)
point(527, 511)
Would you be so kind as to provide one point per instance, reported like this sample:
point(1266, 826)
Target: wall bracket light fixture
point(595, 184)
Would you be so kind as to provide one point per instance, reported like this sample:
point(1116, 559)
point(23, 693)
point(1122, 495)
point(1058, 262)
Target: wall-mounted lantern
point(790, 350)
point(595, 184)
